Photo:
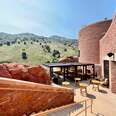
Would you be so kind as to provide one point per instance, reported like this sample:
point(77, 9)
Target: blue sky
point(52, 17)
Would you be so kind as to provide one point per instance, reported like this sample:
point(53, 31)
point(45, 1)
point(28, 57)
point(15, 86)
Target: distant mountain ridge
point(4, 37)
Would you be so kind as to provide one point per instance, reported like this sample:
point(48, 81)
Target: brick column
point(112, 76)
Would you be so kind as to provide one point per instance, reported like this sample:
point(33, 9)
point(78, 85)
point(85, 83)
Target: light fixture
point(110, 54)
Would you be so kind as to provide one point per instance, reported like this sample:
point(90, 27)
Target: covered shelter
point(72, 69)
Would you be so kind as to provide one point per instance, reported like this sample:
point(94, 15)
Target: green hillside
point(38, 49)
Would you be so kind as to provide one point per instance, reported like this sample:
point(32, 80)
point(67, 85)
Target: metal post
point(85, 108)
point(51, 71)
point(83, 72)
point(93, 71)
point(64, 73)
point(91, 106)
point(75, 71)
point(67, 71)
point(86, 71)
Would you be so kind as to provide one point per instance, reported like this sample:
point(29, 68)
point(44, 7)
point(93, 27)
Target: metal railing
point(86, 107)
point(68, 110)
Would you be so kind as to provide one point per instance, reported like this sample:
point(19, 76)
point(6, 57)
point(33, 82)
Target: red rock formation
point(4, 72)
point(25, 72)
point(69, 59)
point(21, 97)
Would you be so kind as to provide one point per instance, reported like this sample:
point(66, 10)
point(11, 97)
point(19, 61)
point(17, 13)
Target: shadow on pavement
point(91, 96)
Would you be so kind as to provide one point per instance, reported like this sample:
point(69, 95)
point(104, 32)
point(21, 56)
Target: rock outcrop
point(36, 74)
point(69, 59)
point(20, 97)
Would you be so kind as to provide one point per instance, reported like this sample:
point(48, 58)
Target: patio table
point(97, 83)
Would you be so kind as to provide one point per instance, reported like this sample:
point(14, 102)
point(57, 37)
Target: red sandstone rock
point(4, 71)
point(40, 73)
point(21, 97)
point(24, 72)
point(69, 59)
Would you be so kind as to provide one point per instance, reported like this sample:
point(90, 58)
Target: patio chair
point(77, 81)
point(83, 89)
point(105, 82)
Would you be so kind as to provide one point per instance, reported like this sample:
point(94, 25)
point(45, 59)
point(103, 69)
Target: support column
point(112, 76)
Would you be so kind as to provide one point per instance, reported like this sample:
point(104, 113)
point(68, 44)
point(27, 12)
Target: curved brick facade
point(108, 42)
point(89, 41)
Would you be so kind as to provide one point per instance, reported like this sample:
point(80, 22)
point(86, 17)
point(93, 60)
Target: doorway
point(106, 69)
point(106, 73)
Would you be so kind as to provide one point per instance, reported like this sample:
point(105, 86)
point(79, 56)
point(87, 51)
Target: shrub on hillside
point(13, 42)
point(56, 53)
point(65, 49)
point(37, 41)
point(18, 42)
point(1, 44)
point(8, 43)
point(25, 43)
point(47, 48)
point(24, 54)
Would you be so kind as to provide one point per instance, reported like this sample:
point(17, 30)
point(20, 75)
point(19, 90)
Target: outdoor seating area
point(81, 75)
point(93, 89)
point(71, 70)
point(83, 85)
point(82, 79)
point(65, 73)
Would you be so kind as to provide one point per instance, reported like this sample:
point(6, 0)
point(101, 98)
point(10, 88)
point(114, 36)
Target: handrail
point(45, 113)
point(86, 107)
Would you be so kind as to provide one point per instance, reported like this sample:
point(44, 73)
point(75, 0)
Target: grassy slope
point(36, 55)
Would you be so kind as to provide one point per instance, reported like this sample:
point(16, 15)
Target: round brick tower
point(89, 37)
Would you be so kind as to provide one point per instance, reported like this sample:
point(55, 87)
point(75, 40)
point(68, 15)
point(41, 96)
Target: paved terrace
point(104, 102)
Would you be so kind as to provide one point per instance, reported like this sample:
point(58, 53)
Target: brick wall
point(108, 44)
point(89, 41)
point(113, 76)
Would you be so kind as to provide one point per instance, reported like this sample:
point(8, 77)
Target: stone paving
point(104, 102)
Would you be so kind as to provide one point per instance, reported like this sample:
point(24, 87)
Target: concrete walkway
point(104, 102)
